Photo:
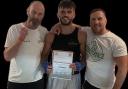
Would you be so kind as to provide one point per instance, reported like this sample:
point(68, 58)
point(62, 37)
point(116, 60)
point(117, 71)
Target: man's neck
point(67, 29)
point(30, 25)
point(104, 31)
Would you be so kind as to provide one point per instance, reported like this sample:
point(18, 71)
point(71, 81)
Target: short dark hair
point(97, 9)
point(67, 4)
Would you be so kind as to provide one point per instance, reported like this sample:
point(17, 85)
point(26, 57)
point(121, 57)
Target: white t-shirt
point(100, 52)
point(24, 67)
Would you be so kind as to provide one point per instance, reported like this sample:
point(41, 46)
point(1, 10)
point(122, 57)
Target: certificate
point(60, 63)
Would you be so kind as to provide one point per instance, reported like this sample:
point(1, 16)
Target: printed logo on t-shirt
point(95, 51)
point(73, 43)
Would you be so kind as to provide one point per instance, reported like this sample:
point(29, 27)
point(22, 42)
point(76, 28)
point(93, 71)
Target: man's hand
point(77, 66)
point(23, 33)
point(56, 29)
point(49, 69)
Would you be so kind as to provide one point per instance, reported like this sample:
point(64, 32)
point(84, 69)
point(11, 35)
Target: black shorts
point(33, 85)
point(87, 85)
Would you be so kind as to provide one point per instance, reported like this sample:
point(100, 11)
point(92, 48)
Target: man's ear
point(27, 11)
point(74, 15)
point(57, 14)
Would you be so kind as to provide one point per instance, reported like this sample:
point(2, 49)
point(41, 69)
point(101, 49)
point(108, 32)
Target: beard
point(65, 21)
point(36, 21)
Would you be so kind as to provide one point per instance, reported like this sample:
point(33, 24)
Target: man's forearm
point(11, 51)
point(44, 56)
point(120, 77)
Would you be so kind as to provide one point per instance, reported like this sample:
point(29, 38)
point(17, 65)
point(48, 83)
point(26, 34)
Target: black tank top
point(67, 43)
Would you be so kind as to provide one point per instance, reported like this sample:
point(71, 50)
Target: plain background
point(14, 11)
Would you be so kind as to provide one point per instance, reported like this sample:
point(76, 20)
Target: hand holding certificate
point(60, 62)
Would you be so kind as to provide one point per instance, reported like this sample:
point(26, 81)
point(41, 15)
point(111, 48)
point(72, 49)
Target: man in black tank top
point(68, 42)
point(71, 39)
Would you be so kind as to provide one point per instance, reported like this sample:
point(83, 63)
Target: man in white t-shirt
point(23, 46)
point(105, 50)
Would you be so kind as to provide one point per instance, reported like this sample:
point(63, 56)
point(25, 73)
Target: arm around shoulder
point(82, 37)
point(47, 45)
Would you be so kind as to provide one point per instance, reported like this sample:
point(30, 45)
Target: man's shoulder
point(15, 26)
point(76, 25)
point(50, 34)
point(43, 28)
point(115, 37)
point(85, 28)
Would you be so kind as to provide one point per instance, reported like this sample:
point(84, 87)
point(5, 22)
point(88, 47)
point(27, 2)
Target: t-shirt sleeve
point(43, 33)
point(119, 48)
point(11, 37)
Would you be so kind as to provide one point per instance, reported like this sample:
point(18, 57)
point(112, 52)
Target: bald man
point(23, 46)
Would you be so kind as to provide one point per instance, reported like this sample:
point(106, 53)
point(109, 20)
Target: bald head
point(35, 12)
point(36, 4)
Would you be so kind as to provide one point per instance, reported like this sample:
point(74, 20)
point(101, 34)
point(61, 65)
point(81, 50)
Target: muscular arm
point(82, 36)
point(121, 72)
point(47, 46)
